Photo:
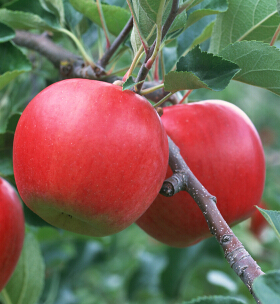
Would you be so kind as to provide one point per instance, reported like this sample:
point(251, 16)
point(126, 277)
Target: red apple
point(11, 231)
point(89, 157)
point(222, 148)
point(258, 222)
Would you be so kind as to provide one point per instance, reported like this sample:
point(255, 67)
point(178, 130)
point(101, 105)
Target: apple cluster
point(91, 158)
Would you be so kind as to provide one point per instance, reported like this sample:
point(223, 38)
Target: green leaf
point(6, 109)
point(206, 34)
point(177, 27)
point(27, 281)
point(6, 162)
point(178, 23)
point(13, 99)
point(6, 140)
point(151, 7)
point(179, 81)
point(245, 20)
point(6, 154)
point(56, 7)
point(193, 3)
point(259, 63)
point(135, 40)
point(7, 127)
point(267, 287)
point(146, 277)
point(180, 261)
point(22, 20)
point(129, 83)
point(200, 70)
point(12, 63)
point(146, 13)
point(115, 16)
point(195, 34)
point(28, 14)
point(8, 121)
point(6, 33)
point(143, 25)
point(273, 218)
point(45, 234)
point(170, 57)
point(207, 7)
point(12, 122)
point(72, 17)
point(215, 300)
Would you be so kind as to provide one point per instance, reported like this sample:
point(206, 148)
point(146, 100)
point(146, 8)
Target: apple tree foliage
point(216, 48)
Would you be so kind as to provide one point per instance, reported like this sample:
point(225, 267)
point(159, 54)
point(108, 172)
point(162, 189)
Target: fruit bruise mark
point(69, 215)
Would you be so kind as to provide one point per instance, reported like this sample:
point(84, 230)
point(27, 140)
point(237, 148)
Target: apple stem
point(152, 89)
point(137, 57)
point(185, 96)
point(80, 47)
point(275, 36)
point(163, 100)
point(156, 71)
point(184, 180)
point(103, 23)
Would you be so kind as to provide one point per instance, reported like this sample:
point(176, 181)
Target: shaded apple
point(223, 149)
point(258, 221)
point(11, 231)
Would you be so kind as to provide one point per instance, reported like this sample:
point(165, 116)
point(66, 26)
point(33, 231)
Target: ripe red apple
point(89, 157)
point(258, 222)
point(11, 231)
point(222, 148)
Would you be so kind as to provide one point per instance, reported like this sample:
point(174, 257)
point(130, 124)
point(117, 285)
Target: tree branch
point(235, 253)
point(143, 72)
point(171, 17)
point(117, 42)
point(43, 45)
point(73, 66)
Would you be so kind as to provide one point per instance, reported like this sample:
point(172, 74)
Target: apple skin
point(89, 157)
point(223, 149)
point(11, 231)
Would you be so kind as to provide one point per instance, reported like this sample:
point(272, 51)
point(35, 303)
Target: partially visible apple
point(258, 222)
point(223, 149)
point(89, 157)
point(11, 231)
